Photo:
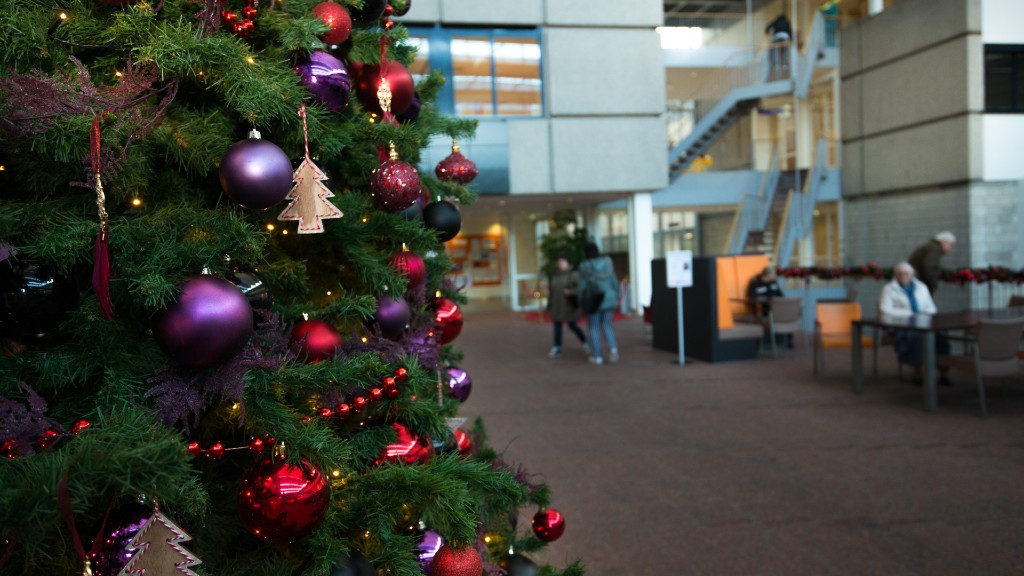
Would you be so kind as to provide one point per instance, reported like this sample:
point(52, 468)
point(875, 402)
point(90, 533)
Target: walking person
point(563, 304)
point(597, 275)
point(926, 259)
point(781, 33)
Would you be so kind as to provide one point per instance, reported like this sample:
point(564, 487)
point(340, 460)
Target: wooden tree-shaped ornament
point(159, 551)
point(309, 194)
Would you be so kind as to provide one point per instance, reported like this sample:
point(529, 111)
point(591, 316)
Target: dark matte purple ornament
point(354, 564)
point(370, 13)
point(411, 113)
point(327, 79)
point(444, 217)
point(414, 212)
point(122, 525)
point(427, 547)
point(256, 173)
point(392, 316)
point(459, 383)
point(211, 322)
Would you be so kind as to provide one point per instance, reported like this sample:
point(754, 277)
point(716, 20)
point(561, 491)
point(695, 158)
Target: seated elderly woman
point(903, 297)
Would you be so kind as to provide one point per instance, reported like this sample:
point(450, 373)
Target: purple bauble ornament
point(427, 547)
point(210, 323)
point(255, 172)
point(327, 79)
point(392, 315)
point(414, 212)
point(122, 525)
point(459, 383)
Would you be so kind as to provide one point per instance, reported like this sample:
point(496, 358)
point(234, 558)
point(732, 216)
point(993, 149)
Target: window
point(674, 230)
point(490, 72)
point(1004, 78)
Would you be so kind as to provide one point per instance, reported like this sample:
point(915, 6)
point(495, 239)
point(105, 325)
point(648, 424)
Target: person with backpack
point(599, 294)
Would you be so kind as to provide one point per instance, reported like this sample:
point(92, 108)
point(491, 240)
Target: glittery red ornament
point(451, 562)
point(456, 167)
point(408, 448)
point(411, 266)
point(281, 502)
point(395, 184)
point(400, 81)
point(447, 320)
point(463, 441)
point(548, 524)
point(318, 340)
point(335, 16)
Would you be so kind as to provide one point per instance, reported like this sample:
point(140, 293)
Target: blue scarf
point(910, 296)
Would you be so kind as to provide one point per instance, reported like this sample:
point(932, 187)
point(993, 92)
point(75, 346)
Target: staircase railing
point(814, 46)
point(746, 67)
point(798, 218)
point(752, 211)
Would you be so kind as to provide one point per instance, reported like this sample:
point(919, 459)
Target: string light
point(365, 219)
point(250, 60)
point(236, 406)
point(63, 16)
point(270, 227)
point(487, 539)
point(363, 339)
point(285, 232)
point(136, 202)
point(118, 73)
point(328, 292)
point(2, 167)
point(336, 473)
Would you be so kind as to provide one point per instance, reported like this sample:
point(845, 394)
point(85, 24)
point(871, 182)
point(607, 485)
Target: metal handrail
point(798, 219)
point(752, 210)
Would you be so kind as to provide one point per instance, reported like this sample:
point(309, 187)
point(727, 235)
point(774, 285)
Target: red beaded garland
point(79, 425)
point(216, 451)
point(194, 449)
point(256, 446)
point(359, 403)
point(376, 395)
point(392, 392)
point(401, 374)
point(9, 449)
point(390, 382)
point(325, 413)
point(342, 411)
point(46, 439)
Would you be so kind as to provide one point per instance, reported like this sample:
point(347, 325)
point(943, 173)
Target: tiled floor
point(751, 468)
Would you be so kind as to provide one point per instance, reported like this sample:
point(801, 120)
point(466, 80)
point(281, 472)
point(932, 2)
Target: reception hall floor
point(750, 468)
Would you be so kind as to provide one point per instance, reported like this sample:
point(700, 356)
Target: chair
point(994, 352)
point(833, 330)
point(783, 318)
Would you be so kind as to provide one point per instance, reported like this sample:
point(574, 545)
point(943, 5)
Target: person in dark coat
point(563, 304)
point(926, 258)
point(781, 33)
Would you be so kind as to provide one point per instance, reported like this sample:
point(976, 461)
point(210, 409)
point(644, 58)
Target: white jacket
point(894, 301)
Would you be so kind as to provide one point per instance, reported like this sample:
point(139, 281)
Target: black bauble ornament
point(33, 299)
point(370, 13)
point(354, 564)
point(444, 217)
point(256, 291)
point(516, 565)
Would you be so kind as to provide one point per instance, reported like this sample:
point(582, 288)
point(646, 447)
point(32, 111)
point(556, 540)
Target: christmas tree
point(168, 338)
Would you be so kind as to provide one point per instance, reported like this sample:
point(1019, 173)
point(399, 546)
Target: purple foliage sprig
point(24, 422)
point(181, 394)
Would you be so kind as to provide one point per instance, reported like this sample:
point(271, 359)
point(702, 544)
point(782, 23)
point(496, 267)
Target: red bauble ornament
point(548, 524)
point(411, 266)
point(447, 320)
point(318, 340)
point(335, 16)
point(463, 441)
point(456, 167)
point(281, 502)
point(402, 88)
point(395, 184)
point(408, 448)
point(451, 562)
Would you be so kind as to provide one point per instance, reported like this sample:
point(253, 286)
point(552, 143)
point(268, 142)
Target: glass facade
point(489, 72)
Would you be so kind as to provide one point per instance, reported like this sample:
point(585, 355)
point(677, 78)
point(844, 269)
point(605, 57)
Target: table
point(927, 325)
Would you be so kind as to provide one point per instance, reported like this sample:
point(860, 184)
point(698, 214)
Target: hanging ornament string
point(101, 249)
point(68, 514)
point(305, 129)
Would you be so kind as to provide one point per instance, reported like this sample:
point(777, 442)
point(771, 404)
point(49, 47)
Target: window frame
point(1016, 76)
point(439, 57)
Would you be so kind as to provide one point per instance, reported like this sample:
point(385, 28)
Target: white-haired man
point(903, 297)
point(926, 258)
